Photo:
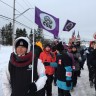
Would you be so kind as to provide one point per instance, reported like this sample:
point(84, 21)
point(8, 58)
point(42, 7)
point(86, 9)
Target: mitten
point(46, 63)
point(32, 90)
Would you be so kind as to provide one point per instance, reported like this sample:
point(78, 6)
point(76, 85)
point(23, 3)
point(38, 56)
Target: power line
point(9, 19)
point(23, 7)
point(26, 4)
point(20, 5)
point(6, 4)
point(29, 3)
point(16, 10)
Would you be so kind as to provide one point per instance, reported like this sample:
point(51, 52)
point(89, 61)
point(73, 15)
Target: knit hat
point(60, 47)
point(47, 45)
point(21, 42)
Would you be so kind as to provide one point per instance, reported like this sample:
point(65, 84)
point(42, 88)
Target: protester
point(93, 62)
point(47, 57)
point(89, 52)
point(17, 78)
point(77, 58)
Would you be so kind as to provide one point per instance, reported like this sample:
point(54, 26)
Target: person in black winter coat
point(93, 62)
point(89, 53)
point(17, 78)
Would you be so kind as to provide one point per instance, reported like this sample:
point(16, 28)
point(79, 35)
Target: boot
point(91, 84)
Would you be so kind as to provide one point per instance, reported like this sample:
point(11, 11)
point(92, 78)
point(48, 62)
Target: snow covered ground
point(82, 88)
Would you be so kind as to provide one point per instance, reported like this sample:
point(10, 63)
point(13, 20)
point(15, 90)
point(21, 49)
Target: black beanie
point(47, 45)
point(60, 47)
point(21, 42)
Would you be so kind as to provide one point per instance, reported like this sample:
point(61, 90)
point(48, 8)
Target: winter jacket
point(89, 54)
point(64, 71)
point(47, 57)
point(93, 59)
point(77, 58)
point(18, 74)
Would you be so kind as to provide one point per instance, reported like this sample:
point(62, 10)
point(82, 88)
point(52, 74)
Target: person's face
point(73, 49)
point(47, 48)
point(20, 50)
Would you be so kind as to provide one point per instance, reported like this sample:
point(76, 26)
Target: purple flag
point(47, 21)
point(68, 25)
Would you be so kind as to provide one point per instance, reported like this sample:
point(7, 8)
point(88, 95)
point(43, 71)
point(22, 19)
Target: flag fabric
point(47, 21)
point(55, 37)
point(69, 25)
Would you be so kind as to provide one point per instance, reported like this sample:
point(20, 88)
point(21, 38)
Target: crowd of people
point(55, 61)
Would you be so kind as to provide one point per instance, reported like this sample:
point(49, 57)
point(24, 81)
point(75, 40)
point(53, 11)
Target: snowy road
point(82, 88)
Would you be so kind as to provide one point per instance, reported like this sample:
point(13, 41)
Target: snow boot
point(91, 84)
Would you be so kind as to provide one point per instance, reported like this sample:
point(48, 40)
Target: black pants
point(74, 78)
point(91, 72)
point(55, 76)
point(41, 92)
point(48, 86)
point(63, 92)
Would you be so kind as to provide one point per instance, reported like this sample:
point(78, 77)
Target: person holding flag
point(17, 77)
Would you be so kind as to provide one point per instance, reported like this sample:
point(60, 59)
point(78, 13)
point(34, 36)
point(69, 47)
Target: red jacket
point(47, 57)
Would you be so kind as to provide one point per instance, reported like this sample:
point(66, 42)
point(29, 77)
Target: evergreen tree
point(3, 35)
point(20, 32)
point(38, 34)
point(6, 34)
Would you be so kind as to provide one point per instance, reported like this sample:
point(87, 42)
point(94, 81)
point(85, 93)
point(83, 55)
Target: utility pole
point(13, 35)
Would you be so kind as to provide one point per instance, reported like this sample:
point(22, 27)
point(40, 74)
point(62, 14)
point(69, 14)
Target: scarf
point(21, 61)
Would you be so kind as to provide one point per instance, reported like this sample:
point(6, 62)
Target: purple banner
point(69, 25)
point(47, 21)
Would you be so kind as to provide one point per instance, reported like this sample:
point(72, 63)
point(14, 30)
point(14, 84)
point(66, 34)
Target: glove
point(76, 58)
point(32, 90)
point(46, 63)
point(68, 83)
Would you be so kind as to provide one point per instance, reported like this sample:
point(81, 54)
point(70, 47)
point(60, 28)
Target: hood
point(24, 38)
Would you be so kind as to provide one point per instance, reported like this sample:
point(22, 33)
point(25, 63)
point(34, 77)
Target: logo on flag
point(47, 21)
point(68, 25)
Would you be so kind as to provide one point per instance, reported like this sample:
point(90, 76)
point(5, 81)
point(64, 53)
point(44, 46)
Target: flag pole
point(13, 35)
point(33, 55)
point(33, 43)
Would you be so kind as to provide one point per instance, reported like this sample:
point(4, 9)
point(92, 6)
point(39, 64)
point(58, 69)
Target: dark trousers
point(74, 78)
point(48, 86)
point(82, 63)
point(41, 92)
point(91, 72)
point(63, 92)
point(55, 76)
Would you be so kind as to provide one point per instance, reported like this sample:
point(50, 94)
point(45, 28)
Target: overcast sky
point(82, 12)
